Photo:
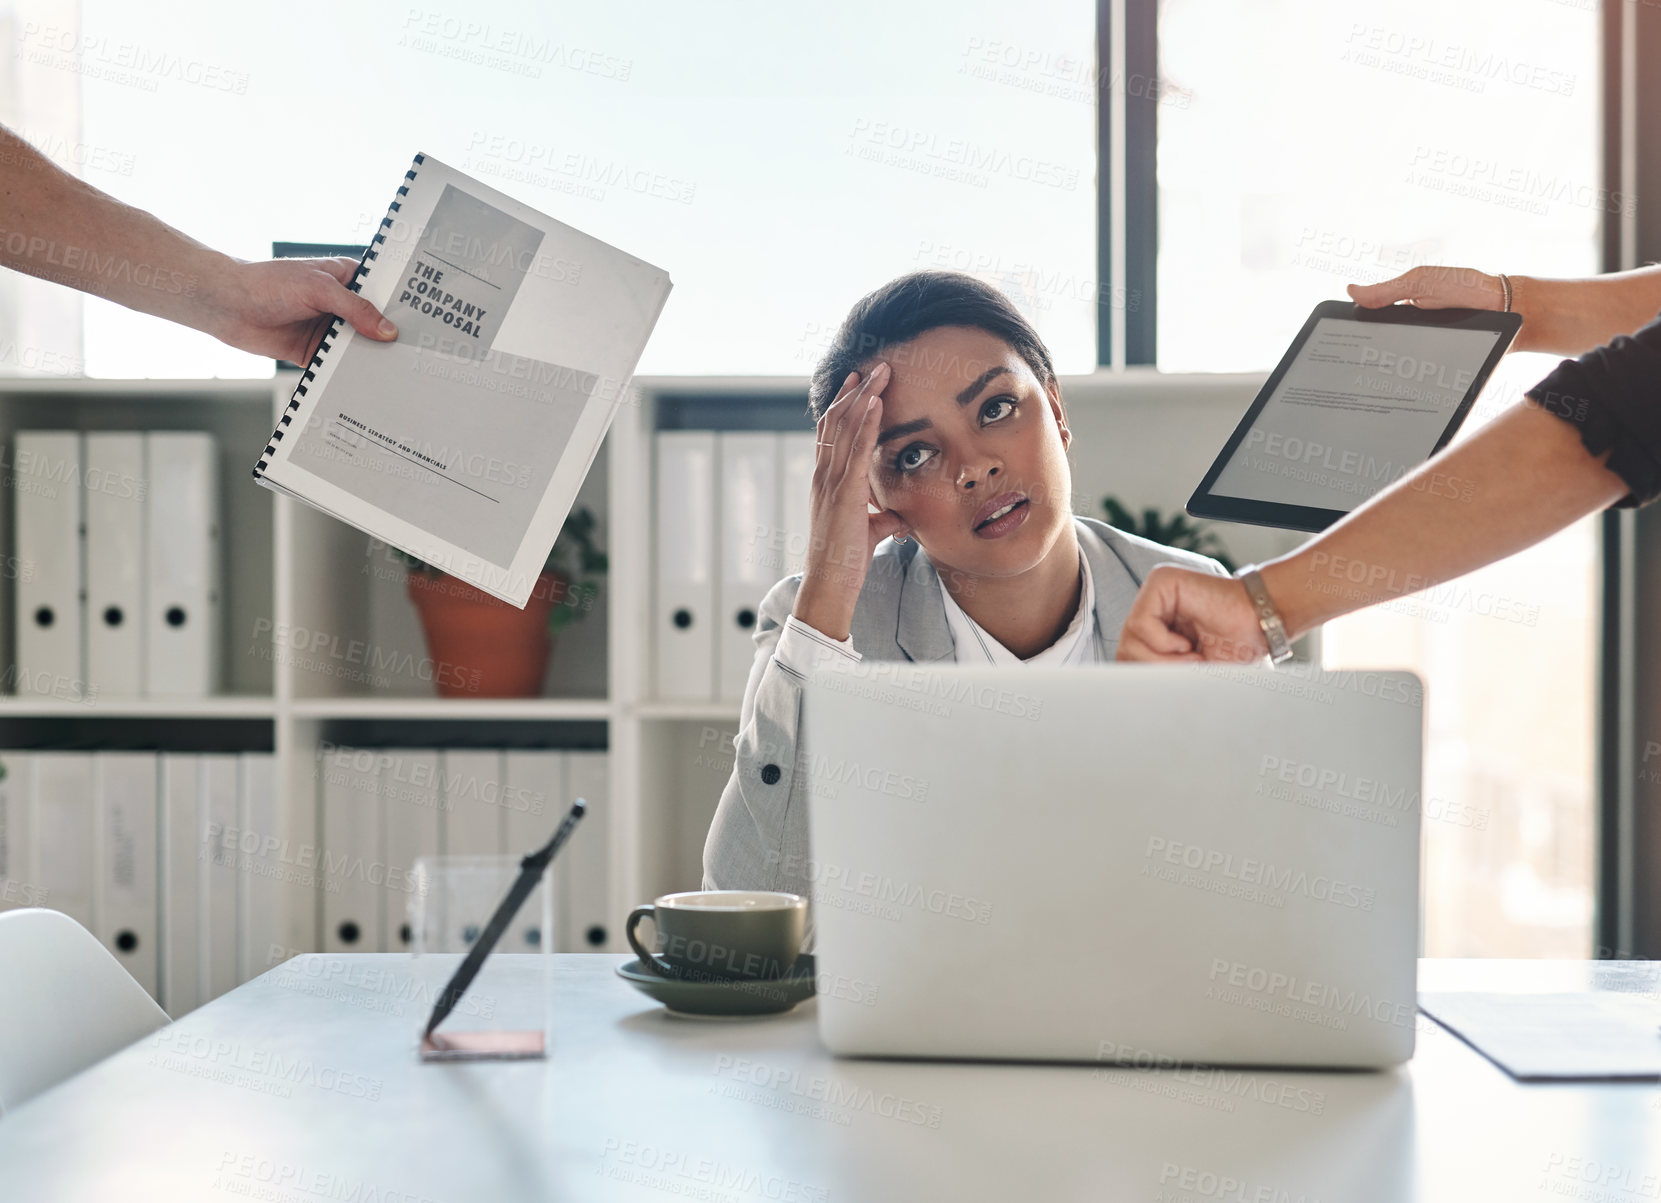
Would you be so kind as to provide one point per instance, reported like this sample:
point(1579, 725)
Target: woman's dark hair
point(914, 304)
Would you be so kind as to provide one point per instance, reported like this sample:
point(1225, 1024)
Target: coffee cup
point(729, 935)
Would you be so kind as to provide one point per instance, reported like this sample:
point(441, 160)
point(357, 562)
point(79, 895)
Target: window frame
point(1628, 839)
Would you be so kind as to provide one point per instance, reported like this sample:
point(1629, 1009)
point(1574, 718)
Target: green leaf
point(1176, 530)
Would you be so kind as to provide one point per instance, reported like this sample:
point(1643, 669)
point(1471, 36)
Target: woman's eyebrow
point(904, 428)
point(963, 398)
point(973, 391)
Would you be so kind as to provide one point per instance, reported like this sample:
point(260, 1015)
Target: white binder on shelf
point(683, 612)
point(182, 870)
point(62, 820)
point(125, 903)
point(595, 924)
point(472, 801)
point(749, 508)
point(263, 867)
point(116, 497)
point(181, 601)
point(216, 809)
point(353, 861)
point(50, 615)
point(533, 803)
point(17, 885)
point(472, 815)
point(409, 786)
point(796, 455)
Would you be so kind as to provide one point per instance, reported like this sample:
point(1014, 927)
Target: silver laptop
point(1121, 864)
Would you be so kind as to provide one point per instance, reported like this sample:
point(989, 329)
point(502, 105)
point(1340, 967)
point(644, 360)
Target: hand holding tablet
point(1362, 397)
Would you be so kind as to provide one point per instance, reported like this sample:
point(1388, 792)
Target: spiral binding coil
point(356, 285)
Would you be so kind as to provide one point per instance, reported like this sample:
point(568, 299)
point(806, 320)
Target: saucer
point(724, 998)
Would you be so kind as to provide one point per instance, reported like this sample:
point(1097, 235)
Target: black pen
point(530, 871)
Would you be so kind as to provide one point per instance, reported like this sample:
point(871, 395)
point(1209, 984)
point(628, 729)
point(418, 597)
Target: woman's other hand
point(843, 534)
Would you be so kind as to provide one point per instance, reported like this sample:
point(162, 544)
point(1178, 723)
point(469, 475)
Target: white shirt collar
point(1077, 644)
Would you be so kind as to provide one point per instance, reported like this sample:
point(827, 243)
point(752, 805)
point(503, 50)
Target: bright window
point(779, 160)
point(1321, 144)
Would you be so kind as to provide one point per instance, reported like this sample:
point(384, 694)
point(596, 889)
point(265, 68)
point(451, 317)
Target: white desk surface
point(303, 1086)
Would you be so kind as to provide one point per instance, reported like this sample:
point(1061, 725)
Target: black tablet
point(1362, 397)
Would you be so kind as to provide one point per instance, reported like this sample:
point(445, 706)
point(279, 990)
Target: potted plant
point(1175, 531)
point(488, 648)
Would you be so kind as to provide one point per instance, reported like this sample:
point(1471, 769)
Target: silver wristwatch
point(1274, 630)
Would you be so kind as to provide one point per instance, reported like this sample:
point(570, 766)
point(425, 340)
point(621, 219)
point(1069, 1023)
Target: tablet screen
point(1361, 405)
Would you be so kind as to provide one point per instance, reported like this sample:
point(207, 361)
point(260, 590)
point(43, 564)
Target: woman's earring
point(901, 539)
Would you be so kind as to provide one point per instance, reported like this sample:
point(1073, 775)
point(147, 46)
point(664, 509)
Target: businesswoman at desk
point(938, 404)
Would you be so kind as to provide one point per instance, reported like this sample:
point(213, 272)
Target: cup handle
point(648, 960)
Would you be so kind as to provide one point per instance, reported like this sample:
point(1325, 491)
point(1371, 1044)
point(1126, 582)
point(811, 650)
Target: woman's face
point(968, 430)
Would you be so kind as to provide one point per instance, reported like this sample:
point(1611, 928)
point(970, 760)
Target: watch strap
point(1268, 618)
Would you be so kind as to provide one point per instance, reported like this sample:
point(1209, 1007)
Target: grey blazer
point(759, 840)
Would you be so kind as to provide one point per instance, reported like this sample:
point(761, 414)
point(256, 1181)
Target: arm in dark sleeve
point(1613, 394)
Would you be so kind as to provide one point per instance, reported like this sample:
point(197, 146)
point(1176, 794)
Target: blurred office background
point(1165, 186)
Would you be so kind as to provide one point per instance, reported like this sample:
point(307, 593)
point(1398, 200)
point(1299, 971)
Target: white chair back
point(65, 1003)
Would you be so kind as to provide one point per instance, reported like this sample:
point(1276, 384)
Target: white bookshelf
point(185, 709)
point(289, 569)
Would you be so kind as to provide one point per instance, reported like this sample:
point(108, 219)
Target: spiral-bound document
point(465, 441)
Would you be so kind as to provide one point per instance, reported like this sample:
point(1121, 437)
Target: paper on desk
point(1543, 1037)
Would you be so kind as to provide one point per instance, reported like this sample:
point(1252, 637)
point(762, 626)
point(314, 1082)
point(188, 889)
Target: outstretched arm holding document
point(1530, 476)
point(1586, 437)
point(62, 229)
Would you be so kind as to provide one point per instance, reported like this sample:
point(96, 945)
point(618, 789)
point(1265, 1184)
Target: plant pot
point(482, 647)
